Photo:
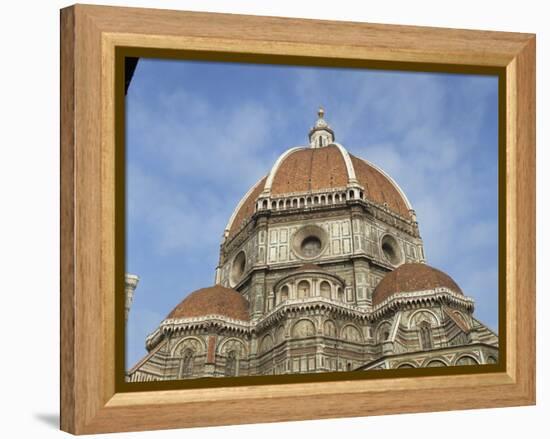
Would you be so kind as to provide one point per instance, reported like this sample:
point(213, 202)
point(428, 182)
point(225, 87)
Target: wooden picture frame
point(91, 402)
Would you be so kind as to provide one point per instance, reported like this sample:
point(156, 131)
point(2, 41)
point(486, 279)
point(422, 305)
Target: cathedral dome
point(324, 165)
point(215, 300)
point(412, 277)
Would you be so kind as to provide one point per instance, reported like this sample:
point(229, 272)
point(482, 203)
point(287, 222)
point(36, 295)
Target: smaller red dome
point(215, 300)
point(412, 277)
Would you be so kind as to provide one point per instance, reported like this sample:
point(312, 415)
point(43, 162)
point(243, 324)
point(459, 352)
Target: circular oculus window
point(390, 250)
point(237, 267)
point(311, 246)
point(309, 242)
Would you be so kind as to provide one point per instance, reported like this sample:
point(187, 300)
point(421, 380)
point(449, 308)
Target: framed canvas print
point(269, 219)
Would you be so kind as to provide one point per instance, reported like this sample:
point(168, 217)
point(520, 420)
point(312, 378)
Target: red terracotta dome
point(310, 169)
point(412, 277)
point(324, 165)
point(380, 187)
point(302, 170)
point(215, 300)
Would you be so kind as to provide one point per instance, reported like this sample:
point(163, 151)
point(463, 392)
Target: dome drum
point(310, 199)
point(391, 249)
point(238, 268)
point(309, 242)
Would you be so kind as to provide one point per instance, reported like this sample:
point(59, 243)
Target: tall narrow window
point(231, 364)
point(283, 296)
point(187, 364)
point(425, 336)
point(325, 289)
point(303, 289)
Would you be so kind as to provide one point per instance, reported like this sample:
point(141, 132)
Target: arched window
point(186, 369)
point(405, 366)
point(351, 333)
point(303, 328)
point(425, 335)
point(383, 332)
point(266, 343)
point(284, 294)
point(436, 363)
point(231, 364)
point(303, 289)
point(325, 289)
point(466, 360)
point(329, 329)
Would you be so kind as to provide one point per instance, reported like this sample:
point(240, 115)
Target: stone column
point(210, 363)
point(131, 283)
point(361, 271)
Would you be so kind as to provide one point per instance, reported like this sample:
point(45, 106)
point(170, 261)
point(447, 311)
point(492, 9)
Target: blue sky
point(200, 134)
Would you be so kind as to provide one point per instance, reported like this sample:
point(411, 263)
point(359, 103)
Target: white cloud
point(170, 214)
point(191, 137)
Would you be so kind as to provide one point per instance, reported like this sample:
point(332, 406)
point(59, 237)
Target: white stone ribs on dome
point(392, 181)
point(275, 167)
point(352, 178)
point(241, 202)
point(328, 196)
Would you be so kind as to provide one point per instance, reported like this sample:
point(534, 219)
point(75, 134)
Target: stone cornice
point(436, 353)
point(392, 304)
point(440, 294)
point(375, 209)
point(307, 273)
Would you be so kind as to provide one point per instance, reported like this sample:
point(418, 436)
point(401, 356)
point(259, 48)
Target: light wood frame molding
point(89, 36)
